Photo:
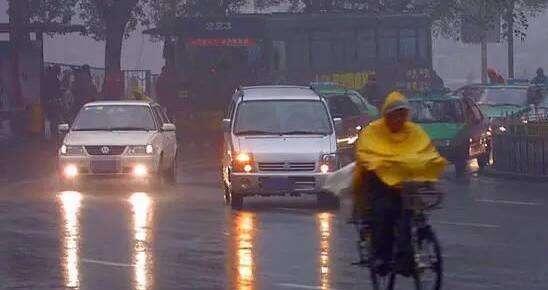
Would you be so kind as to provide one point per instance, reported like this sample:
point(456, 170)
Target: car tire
point(236, 201)
point(158, 180)
point(171, 174)
point(326, 200)
point(483, 160)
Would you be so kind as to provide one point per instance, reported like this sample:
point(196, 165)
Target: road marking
point(107, 263)
point(529, 203)
point(476, 225)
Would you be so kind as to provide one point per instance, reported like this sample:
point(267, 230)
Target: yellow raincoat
point(408, 155)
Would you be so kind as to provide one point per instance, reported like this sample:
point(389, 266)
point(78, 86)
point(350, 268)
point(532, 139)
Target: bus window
point(422, 39)
point(367, 50)
point(321, 54)
point(408, 41)
point(297, 53)
point(279, 55)
point(388, 44)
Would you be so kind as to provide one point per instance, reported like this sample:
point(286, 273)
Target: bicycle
point(417, 199)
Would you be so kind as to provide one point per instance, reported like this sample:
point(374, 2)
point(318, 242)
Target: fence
point(133, 79)
point(523, 147)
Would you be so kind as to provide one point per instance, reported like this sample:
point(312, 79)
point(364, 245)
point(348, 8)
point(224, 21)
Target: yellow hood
point(408, 155)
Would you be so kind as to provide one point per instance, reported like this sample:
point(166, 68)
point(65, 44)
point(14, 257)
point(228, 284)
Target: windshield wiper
point(256, 132)
point(304, 133)
point(129, 129)
point(501, 104)
point(92, 129)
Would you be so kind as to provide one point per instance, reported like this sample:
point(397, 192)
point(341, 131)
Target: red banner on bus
point(232, 42)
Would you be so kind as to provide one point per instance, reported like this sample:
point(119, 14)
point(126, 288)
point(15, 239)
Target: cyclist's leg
point(404, 254)
point(383, 227)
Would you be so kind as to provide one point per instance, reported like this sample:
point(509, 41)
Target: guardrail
point(521, 154)
point(523, 148)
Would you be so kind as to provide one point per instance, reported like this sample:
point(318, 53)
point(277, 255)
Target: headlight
point(141, 150)
point(328, 163)
point(243, 163)
point(348, 140)
point(502, 129)
point(72, 150)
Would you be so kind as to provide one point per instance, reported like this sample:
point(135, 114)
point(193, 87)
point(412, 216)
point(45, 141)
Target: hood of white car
point(109, 138)
point(286, 149)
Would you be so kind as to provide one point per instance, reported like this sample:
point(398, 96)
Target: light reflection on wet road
point(185, 238)
point(142, 207)
point(70, 205)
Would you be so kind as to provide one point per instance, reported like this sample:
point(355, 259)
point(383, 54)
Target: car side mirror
point(226, 124)
point(167, 127)
point(338, 124)
point(63, 128)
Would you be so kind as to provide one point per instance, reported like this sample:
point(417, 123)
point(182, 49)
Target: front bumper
point(249, 184)
point(120, 167)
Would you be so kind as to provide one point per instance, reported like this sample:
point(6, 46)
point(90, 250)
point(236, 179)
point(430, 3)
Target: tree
point(23, 14)
point(111, 21)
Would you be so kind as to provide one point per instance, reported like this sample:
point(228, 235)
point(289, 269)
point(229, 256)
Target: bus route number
point(218, 26)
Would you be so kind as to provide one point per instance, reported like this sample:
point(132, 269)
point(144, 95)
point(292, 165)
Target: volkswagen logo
point(105, 150)
point(287, 166)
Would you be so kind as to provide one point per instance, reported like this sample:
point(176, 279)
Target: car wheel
point(172, 172)
point(483, 160)
point(327, 200)
point(236, 201)
point(158, 180)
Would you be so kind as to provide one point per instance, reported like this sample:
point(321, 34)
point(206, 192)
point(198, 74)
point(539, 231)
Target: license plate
point(277, 184)
point(104, 166)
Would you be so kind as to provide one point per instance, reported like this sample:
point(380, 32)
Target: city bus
point(211, 57)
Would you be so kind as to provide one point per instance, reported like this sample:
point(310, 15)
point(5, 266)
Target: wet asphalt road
point(493, 233)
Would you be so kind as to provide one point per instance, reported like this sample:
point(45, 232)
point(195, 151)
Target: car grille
point(286, 166)
point(303, 183)
point(99, 150)
point(104, 166)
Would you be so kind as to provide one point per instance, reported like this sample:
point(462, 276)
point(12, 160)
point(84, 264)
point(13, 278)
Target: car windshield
point(276, 117)
point(504, 96)
point(114, 117)
point(344, 106)
point(436, 112)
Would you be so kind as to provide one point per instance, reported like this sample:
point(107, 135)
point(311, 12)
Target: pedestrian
point(51, 96)
point(166, 90)
point(371, 91)
point(540, 78)
point(495, 77)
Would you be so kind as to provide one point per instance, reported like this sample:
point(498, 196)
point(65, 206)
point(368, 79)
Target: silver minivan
point(278, 140)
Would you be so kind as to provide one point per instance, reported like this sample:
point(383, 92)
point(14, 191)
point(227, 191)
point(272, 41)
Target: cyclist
point(390, 151)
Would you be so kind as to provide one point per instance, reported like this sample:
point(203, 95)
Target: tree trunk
point(19, 38)
point(113, 86)
point(510, 37)
point(484, 78)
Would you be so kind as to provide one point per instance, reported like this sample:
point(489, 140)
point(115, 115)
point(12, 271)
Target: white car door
point(167, 139)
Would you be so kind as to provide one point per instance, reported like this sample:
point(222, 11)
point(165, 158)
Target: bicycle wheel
point(382, 282)
point(428, 270)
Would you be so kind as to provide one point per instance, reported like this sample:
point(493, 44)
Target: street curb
point(512, 175)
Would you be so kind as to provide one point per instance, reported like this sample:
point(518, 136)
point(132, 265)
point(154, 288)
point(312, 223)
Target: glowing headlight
point(243, 158)
point(243, 163)
point(70, 171)
point(140, 170)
